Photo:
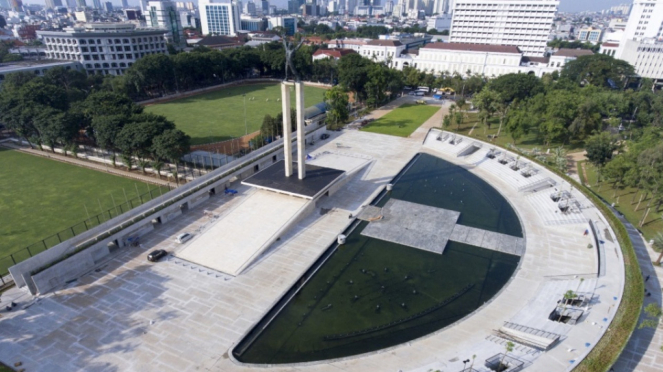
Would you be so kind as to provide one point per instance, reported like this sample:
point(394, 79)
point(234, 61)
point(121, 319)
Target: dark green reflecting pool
point(371, 294)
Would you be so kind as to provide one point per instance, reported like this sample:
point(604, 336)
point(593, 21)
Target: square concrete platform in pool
point(414, 225)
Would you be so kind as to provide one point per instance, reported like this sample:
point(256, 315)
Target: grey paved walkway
point(643, 352)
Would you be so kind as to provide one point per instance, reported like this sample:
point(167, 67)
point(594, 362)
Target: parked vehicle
point(419, 93)
point(183, 238)
point(155, 256)
point(324, 136)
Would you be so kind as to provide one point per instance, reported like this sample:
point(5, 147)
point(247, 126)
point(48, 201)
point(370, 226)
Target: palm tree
point(157, 166)
point(507, 349)
point(128, 160)
point(569, 295)
point(658, 244)
point(143, 163)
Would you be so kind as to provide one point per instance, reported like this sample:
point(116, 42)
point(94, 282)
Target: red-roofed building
point(335, 54)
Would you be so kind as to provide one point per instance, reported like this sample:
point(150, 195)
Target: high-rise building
point(645, 20)
point(264, 7)
point(219, 17)
point(164, 14)
point(4, 4)
point(250, 8)
point(50, 4)
point(81, 4)
point(72, 4)
point(125, 4)
point(440, 7)
point(97, 4)
point(16, 5)
point(293, 6)
point(522, 23)
point(108, 6)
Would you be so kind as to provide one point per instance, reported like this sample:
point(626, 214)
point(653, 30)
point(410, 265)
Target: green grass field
point(219, 115)
point(40, 197)
point(402, 121)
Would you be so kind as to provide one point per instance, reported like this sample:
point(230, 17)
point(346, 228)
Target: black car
point(155, 256)
point(324, 136)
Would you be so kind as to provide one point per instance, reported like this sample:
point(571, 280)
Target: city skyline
point(565, 5)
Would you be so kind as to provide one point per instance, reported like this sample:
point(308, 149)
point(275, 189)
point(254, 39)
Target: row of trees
point(65, 108)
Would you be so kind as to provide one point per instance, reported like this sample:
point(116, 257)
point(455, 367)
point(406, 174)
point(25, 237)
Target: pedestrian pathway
point(87, 164)
point(643, 352)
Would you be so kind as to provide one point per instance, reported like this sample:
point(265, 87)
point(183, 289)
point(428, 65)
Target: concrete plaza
point(133, 315)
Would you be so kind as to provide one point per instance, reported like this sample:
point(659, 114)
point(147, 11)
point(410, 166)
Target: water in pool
point(371, 294)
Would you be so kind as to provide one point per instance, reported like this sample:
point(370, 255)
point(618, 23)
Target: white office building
point(522, 23)
point(642, 43)
point(482, 59)
point(219, 17)
point(164, 14)
point(645, 20)
point(103, 48)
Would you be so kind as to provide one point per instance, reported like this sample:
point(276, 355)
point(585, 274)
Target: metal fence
point(55, 239)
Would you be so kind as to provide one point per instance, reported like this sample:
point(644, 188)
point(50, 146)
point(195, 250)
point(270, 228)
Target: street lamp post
point(246, 129)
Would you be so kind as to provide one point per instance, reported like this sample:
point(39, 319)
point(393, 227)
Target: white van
point(183, 238)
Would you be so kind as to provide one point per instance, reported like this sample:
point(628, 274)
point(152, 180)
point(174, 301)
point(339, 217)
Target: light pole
point(246, 129)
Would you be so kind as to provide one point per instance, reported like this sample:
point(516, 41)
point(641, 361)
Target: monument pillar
point(301, 140)
point(287, 128)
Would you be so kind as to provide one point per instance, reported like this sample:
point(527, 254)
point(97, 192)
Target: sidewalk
point(643, 352)
point(88, 164)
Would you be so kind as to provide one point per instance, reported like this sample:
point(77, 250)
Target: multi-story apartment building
point(164, 14)
point(219, 17)
point(103, 48)
point(522, 23)
point(591, 34)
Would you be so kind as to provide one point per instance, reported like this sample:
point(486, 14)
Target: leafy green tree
point(337, 107)
point(171, 145)
point(512, 87)
point(518, 124)
point(600, 148)
point(658, 244)
point(597, 69)
point(353, 74)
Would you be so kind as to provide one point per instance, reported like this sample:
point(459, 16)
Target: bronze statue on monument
point(291, 48)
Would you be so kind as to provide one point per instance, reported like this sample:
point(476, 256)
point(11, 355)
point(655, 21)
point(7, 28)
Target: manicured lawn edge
point(614, 340)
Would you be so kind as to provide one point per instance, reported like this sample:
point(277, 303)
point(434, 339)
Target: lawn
point(219, 115)
point(626, 200)
point(402, 121)
point(41, 197)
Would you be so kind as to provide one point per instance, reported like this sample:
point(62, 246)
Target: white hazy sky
point(565, 5)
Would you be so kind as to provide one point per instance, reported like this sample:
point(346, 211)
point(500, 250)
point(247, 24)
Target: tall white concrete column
point(287, 128)
point(301, 140)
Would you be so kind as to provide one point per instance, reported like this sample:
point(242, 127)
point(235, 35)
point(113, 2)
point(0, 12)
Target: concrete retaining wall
point(81, 262)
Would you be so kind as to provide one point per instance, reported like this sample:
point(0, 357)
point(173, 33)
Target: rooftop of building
point(468, 47)
point(564, 52)
point(336, 53)
point(391, 43)
point(212, 41)
point(18, 65)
